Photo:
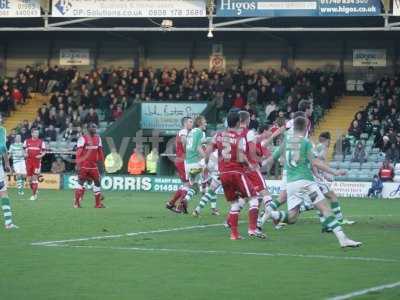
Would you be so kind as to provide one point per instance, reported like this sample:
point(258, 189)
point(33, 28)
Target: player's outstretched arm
point(324, 168)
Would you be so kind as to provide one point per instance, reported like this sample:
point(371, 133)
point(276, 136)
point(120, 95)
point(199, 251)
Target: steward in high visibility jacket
point(136, 164)
point(151, 161)
point(113, 162)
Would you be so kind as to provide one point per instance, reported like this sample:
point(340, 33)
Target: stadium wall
point(170, 184)
point(250, 51)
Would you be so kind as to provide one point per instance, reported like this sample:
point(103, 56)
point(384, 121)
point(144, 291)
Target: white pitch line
point(366, 291)
point(105, 237)
point(222, 252)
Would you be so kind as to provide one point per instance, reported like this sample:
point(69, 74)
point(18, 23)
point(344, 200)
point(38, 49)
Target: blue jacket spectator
point(376, 187)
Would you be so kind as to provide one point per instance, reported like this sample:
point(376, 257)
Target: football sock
point(233, 221)
point(213, 199)
point(20, 182)
point(275, 204)
point(321, 217)
point(177, 195)
point(253, 214)
point(97, 195)
point(335, 206)
point(331, 223)
point(5, 206)
point(79, 192)
point(34, 187)
point(190, 193)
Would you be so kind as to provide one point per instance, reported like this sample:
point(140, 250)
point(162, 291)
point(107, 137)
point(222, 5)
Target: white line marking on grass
point(222, 252)
point(366, 291)
point(353, 216)
point(105, 237)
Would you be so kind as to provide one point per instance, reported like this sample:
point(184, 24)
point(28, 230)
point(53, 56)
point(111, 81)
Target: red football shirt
point(229, 144)
point(34, 147)
point(89, 152)
point(179, 147)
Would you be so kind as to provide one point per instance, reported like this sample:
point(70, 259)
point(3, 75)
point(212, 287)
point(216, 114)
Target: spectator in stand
point(238, 102)
point(385, 144)
point(386, 172)
point(370, 80)
point(376, 187)
point(393, 153)
point(253, 121)
point(281, 119)
point(92, 117)
point(58, 166)
point(17, 96)
point(355, 130)
point(269, 109)
point(117, 112)
point(50, 134)
point(359, 154)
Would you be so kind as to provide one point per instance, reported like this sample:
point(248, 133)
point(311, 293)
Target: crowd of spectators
point(381, 118)
point(78, 98)
point(379, 121)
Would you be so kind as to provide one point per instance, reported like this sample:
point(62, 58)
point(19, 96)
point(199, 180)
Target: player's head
point(264, 131)
point(18, 138)
point(325, 137)
point(306, 107)
point(263, 128)
point(187, 123)
point(92, 128)
point(244, 117)
point(233, 119)
point(35, 133)
point(299, 114)
point(200, 122)
point(300, 125)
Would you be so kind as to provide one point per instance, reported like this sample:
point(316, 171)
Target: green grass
point(111, 269)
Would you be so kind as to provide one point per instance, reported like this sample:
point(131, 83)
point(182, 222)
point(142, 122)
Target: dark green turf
point(111, 269)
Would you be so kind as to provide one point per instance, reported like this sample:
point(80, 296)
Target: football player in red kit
point(89, 155)
point(34, 151)
point(232, 164)
point(180, 145)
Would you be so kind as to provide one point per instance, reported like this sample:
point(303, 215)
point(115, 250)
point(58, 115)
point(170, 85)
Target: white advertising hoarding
point(19, 8)
point(369, 57)
point(128, 8)
point(74, 57)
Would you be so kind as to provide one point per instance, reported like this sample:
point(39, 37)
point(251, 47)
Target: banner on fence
point(46, 181)
point(298, 8)
point(369, 57)
point(128, 8)
point(170, 184)
point(74, 57)
point(19, 8)
point(168, 115)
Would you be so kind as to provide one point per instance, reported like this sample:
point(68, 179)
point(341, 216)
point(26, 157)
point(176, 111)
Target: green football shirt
point(298, 166)
point(193, 141)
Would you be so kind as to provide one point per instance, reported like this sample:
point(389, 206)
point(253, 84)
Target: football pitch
point(136, 249)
